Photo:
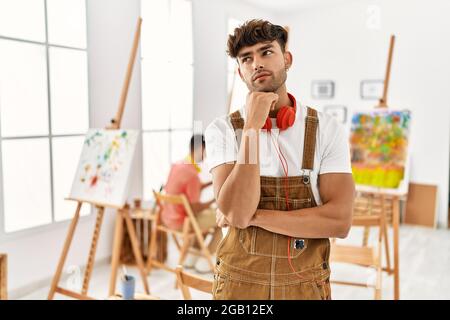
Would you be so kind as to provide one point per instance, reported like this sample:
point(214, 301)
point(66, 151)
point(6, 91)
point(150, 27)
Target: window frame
point(170, 129)
point(232, 74)
point(54, 224)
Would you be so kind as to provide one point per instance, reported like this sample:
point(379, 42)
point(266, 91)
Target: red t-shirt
point(183, 179)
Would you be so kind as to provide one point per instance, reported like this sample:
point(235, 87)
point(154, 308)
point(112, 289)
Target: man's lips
point(262, 74)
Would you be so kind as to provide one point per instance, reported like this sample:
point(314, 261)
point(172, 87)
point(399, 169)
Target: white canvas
point(103, 172)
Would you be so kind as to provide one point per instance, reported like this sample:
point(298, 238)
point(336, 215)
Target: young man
point(184, 179)
point(283, 191)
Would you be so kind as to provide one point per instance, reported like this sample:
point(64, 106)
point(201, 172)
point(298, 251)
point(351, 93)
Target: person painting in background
point(184, 179)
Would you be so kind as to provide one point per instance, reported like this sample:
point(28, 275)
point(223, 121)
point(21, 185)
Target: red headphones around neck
point(285, 116)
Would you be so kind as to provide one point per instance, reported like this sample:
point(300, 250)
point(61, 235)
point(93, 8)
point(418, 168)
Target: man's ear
point(287, 59)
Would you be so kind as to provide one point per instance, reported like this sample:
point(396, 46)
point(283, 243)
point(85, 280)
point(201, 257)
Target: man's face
point(263, 66)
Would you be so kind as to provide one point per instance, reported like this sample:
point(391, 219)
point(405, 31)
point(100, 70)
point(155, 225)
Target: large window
point(44, 109)
point(167, 87)
point(237, 90)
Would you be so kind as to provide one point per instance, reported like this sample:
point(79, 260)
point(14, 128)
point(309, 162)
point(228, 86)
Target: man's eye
point(245, 59)
point(267, 52)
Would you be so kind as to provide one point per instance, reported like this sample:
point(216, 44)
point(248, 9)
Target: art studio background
point(62, 70)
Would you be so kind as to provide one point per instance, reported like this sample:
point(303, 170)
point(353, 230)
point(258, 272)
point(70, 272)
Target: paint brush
point(124, 272)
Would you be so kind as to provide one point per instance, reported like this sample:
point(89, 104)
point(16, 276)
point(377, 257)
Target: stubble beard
point(278, 80)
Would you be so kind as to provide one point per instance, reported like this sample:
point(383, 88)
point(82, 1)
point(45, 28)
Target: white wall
point(333, 43)
point(33, 255)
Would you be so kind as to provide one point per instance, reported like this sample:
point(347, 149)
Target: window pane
point(181, 31)
point(155, 19)
point(26, 183)
point(23, 89)
point(66, 153)
point(156, 97)
point(182, 101)
point(69, 91)
point(230, 78)
point(239, 94)
point(67, 22)
point(180, 144)
point(24, 19)
point(156, 161)
point(237, 89)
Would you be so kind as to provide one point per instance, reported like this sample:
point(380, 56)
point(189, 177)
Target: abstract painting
point(102, 176)
point(379, 147)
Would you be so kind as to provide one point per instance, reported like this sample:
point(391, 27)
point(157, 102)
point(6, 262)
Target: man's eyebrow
point(267, 46)
point(244, 54)
point(248, 53)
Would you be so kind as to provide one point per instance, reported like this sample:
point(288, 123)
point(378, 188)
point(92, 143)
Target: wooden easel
point(378, 202)
point(383, 100)
point(121, 212)
point(394, 200)
point(3, 276)
point(145, 215)
point(390, 205)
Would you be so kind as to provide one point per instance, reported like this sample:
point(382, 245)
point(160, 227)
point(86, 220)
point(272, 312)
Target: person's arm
point(206, 184)
point(200, 206)
point(237, 185)
point(237, 188)
point(330, 220)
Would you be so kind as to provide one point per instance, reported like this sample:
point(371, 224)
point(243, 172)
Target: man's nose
point(257, 65)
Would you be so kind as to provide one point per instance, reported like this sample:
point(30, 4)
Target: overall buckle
point(306, 177)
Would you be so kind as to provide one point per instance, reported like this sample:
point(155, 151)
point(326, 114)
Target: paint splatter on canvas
point(379, 147)
point(103, 170)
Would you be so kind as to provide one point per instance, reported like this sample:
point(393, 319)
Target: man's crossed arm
point(332, 219)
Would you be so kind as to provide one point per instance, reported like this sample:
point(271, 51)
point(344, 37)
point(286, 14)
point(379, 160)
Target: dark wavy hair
point(253, 32)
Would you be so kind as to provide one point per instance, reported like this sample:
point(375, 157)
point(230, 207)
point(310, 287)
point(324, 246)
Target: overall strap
point(236, 120)
point(309, 146)
point(238, 124)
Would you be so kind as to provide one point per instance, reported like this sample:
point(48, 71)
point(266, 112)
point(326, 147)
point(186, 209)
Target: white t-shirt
point(332, 153)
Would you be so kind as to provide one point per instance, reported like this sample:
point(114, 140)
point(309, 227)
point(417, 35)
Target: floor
point(424, 268)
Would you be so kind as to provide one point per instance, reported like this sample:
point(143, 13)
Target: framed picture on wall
point(322, 89)
point(371, 89)
point(337, 111)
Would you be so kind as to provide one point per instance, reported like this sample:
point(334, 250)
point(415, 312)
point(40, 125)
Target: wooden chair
point(368, 213)
point(191, 231)
point(3, 277)
point(186, 281)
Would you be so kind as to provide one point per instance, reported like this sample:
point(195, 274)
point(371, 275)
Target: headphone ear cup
point(280, 118)
point(285, 117)
point(268, 124)
point(290, 117)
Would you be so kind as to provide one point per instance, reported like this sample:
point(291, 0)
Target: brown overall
point(252, 263)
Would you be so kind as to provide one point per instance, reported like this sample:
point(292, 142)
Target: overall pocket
point(279, 203)
point(260, 242)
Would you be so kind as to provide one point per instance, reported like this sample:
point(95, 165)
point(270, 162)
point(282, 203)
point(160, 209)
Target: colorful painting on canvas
point(103, 171)
point(379, 147)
